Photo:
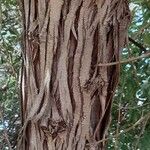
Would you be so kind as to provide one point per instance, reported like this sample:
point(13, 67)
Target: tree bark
point(66, 96)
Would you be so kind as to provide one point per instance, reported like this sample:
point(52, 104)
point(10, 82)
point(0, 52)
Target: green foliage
point(130, 128)
point(131, 101)
point(9, 73)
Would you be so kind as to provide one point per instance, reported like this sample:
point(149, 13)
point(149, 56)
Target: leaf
point(147, 38)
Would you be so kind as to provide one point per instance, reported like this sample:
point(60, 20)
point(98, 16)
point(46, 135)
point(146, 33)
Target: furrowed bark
point(66, 95)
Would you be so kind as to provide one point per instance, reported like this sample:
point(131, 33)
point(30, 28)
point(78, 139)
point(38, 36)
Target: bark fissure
point(66, 96)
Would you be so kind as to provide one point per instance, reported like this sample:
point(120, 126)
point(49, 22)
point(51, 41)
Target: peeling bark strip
point(66, 96)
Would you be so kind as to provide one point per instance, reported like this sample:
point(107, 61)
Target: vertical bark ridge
point(66, 96)
point(76, 84)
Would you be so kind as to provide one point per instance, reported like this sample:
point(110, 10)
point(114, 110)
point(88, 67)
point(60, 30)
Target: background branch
point(125, 61)
point(139, 45)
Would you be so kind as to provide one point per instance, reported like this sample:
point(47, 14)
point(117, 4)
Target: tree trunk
point(66, 94)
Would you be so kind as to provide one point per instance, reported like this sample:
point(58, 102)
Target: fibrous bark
point(66, 96)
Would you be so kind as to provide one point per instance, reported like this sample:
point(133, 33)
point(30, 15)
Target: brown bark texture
point(66, 96)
